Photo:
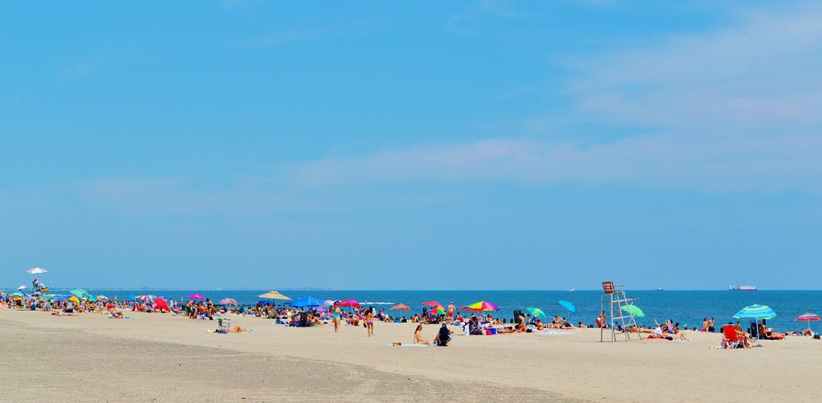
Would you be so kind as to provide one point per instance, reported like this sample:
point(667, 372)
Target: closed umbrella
point(401, 307)
point(567, 305)
point(633, 310)
point(274, 295)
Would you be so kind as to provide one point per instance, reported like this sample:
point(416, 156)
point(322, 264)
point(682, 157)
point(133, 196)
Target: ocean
point(686, 307)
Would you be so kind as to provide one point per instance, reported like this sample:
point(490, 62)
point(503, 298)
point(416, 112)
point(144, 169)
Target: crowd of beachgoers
point(481, 318)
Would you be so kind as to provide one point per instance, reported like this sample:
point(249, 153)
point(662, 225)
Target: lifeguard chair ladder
point(615, 295)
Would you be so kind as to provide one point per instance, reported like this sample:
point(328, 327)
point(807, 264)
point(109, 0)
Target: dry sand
point(152, 357)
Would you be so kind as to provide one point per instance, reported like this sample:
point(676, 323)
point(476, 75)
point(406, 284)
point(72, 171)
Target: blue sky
point(449, 145)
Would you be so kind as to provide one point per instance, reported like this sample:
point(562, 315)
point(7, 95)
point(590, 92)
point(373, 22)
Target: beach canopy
point(196, 297)
point(36, 270)
point(348, 303)
point(755, 312)
point(567, 305)
point(633, 310)
point(431, 304)
point(274, 295)
point(481, 306)
point(228, 301)
point(80, 293)
point(306, 302)
point(535, 312)
point(401, 307)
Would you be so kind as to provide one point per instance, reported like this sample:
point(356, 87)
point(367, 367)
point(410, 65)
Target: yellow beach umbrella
point(274, 295)
point(74, 299)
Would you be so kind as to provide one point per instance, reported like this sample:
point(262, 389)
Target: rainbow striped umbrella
point(439, 310)
point(481, 306)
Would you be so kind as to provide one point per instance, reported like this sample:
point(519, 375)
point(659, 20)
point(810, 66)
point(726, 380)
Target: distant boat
point(660, 289)
point(742, 287)
point(572, 290)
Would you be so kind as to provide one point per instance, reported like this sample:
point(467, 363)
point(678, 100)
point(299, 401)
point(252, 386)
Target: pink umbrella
point(228, 301)
point(431, 304)
point(808, 317)
point(348, 303)
point(197, 297)
point(401, 307)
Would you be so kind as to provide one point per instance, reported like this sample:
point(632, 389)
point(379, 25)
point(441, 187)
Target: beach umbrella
point(438, 310)
point(755, 312)
point(59, 297)
point(91, 298)
point(348, 303)
point(102, 298)
point(633, 310)
point(431, 304)
point(567, 305)
point(74, 299)
point(535, 312)
point(161, 304)
point(808, 317)
point(17, 294)
point(79, 293)
point(228, 301)
point(306, 302)
point(145, 298)
point(480, 306)
point(196, 297)
point(21, 287)
point(401, 307)
point(37, 270)
point(274, 295)
point(328, 302)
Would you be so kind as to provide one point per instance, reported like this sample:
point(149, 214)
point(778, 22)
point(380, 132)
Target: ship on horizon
point(742, 287)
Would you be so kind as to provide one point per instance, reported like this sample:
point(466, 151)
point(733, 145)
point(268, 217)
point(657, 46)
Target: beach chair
point(730, 338)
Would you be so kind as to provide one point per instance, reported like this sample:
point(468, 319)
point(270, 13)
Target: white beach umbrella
point(37, 270)
point(21, 288)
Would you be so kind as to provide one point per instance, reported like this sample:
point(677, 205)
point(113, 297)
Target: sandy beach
point(155, 357)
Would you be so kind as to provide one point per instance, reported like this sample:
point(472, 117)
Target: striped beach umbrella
point(480, 306)
point(755, 312)
point(808, 318)
point(274, 295)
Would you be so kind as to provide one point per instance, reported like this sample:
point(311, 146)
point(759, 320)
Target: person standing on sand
point(337, 316)
point(369, 321)
point(451, 311)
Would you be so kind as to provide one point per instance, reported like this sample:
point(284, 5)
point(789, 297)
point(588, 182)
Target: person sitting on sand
point(418, 339)
point(443, 336)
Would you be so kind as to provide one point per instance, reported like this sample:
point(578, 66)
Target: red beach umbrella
point(348, 303)
point(808, 317)
point(401, 307)
point(161, 305)
point(431, 304)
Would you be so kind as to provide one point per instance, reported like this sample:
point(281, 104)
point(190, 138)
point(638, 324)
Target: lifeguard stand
point(616, 298)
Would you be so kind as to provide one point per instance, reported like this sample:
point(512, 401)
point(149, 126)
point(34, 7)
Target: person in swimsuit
point(369, 321)
point(337, 317)
point(418, 339)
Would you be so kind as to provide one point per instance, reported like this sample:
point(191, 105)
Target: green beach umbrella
point(79, 293)
point(534, 311)
point(633, 310)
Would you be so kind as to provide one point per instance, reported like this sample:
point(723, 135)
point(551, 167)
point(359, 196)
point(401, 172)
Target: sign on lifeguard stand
point(616, 300)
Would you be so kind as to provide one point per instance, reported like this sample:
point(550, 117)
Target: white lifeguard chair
point(616, 298)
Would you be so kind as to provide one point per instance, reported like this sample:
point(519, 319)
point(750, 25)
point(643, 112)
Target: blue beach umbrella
point(306, 302)
point(755, 312)
point(568, 305)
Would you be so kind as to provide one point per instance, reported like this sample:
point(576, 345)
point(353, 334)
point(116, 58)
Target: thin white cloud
point(732, 109)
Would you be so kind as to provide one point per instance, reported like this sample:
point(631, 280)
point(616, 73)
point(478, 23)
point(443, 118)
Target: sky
point(411, 145)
